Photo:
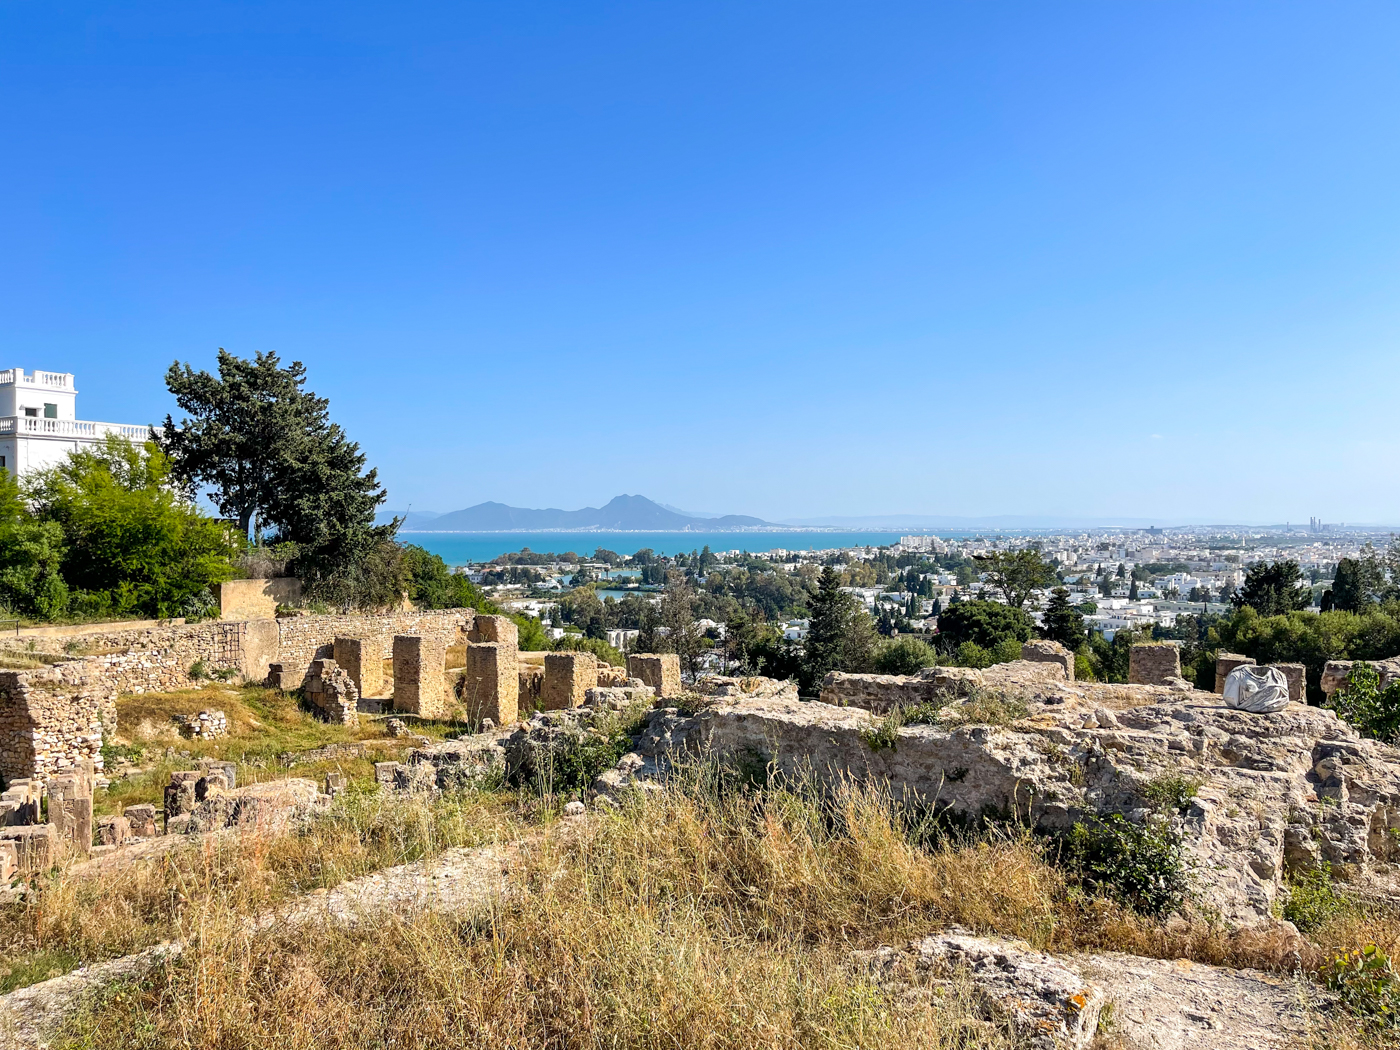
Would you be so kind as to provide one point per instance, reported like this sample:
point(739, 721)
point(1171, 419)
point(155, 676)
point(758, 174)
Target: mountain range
point(622, 514)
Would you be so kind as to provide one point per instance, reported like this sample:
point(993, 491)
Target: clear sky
point(783, 259)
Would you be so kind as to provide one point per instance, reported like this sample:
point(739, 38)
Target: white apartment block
point(39, 422)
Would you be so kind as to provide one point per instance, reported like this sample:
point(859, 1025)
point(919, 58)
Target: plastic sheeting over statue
point(1262, 690)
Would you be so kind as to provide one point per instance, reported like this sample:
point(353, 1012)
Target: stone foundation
point(332, 692)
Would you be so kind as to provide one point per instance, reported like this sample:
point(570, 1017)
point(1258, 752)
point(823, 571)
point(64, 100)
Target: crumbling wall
point(48, 724)
point(1153, 663)
point(661, 671)
point(1045, 651)
point(880, 693)
point(419, 687)
point(567, 678)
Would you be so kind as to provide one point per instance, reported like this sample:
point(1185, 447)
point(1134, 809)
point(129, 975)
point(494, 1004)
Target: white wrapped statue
point(1262, 690)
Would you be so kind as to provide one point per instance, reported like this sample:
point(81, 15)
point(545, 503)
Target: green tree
point(267, 452)
point(1063, 623)
point(1017, 573)
point(678, 617)
point(984, 623)
point(840, 637)
point(133, 543)
point(1359, 583)
point(31, 557)
point(1274, 589)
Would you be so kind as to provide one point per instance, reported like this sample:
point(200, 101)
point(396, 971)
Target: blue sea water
point(459, 548)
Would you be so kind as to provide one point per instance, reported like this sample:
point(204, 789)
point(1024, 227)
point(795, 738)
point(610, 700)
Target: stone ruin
point(332, 692)
point(1048, 652)
point(419, 684)
point(567, 678)
point(205, 725)
point(360, 659)
point(1156, 663)
point(661, 671)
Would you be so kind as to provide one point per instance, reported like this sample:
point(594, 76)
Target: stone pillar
point(500, 629)
point(35, 846)
point(361, 660)
point(661, 671)
point(567, 677)
point(1153, 664)
point(70, 808)
point(1297, 681)
point(141, 819)
point(113, 831)
point(1224, 664)
point(420, 665)
point(1045, 651)
point(491, 683)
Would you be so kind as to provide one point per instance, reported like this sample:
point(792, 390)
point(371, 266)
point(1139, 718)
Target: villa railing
point(58, 380)
point(73, 428)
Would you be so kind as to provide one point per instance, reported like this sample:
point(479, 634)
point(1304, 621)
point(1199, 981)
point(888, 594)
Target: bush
point(985, 623)
point(1372, 711)
point(599, 648)
point(1171, 792)
point(1312, 901)
point(1366, 984)
point(1141, 865)
point(904, 656)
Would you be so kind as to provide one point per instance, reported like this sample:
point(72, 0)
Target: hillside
point(621, 514)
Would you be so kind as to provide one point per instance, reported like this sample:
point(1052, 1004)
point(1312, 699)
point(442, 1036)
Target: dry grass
point(697, 916)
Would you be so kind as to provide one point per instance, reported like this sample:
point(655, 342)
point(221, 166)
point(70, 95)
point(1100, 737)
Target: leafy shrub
point(1373, 711)
point(199, 671)
point(985, 623)
point(1366, 984)
point(1171, 792)
point(970, 654)
point(904, 656)
point(886, 732)
point(597, 646)
point(1312, 900)
point(1142, 865)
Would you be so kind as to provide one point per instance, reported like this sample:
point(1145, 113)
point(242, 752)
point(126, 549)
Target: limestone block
point(384, 773)
point(228, 769)
point(179, 799)
point(70, 808)
point(567, 679)
point(36, 846)
point(141, 819)
point(531, 692)
point(113, 831)
point(1153, 664)
point(212, 783)
point(1334, 675)
point(1048, 652)
point(361, 660)
point(419, 687)
point(9, 862)
point(491, 683)
point(661, 671)
point(1224, 664)
point(500, 629)
point(1296, 674)
point(335, 784)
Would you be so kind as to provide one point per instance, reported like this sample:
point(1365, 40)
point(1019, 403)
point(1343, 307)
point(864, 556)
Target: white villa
point(39, 424)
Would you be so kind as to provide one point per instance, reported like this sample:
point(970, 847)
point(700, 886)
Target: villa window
point(32, 413)
point(50, 411)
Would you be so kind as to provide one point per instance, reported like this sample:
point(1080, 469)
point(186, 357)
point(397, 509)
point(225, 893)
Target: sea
point(459, 548)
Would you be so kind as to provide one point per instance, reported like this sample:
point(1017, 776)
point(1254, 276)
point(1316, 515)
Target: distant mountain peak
point(624, 513)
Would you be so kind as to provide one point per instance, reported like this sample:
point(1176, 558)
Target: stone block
point(567, 679)
point(179, 799)
point(384, 773)
point(278, 677)
point(70, 808)
point(36, 846)
point(9, 862)
point(212, 783)
point(1224, 664)
point(228, 769)
point(335, 784)
point(360, 658)
point(491, 683)
point(500, 629)
point(531, 691)
point(1153, 664)
point(661, 671)
point(141, 819)
point(113, 831)
point(1297, 676)
point(1045, 651)
point(420, 686)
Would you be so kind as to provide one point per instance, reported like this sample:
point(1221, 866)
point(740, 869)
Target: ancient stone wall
point(419, 687)
point(1224, 664)
point(256, 599)
point(1153, 664)
point(360, 658)
point(495, 629)
point(305, 638)
point(567, 678)
point(880, 693)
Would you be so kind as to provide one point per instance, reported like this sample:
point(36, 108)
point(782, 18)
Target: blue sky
point(767, 258)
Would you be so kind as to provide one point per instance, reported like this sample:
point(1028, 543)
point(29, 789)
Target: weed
point(985, 708)
point(1141, 865)
point(1312, 901)
point(1366, 984)
point(1171, 792)
point(199, 671)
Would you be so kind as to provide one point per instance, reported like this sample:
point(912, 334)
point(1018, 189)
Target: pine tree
point(841, 636)
point(1063, 622)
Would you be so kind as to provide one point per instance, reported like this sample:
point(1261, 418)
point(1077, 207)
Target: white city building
point(39, 422)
